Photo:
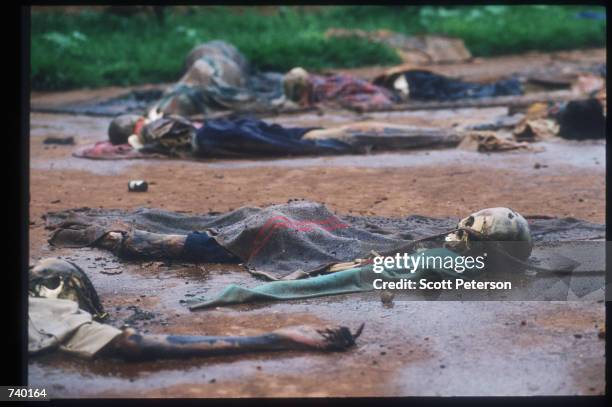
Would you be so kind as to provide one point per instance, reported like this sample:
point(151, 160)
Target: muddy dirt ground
point(414, 348)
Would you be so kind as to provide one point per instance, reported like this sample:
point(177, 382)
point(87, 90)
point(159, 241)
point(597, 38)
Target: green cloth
point(353, 280)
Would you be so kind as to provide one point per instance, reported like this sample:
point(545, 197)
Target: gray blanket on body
point(288, 240)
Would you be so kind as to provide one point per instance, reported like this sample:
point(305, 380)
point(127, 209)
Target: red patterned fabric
point(105, 150)
point(349, 91)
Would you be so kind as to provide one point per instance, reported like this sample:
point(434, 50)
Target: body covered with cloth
point(285, 241)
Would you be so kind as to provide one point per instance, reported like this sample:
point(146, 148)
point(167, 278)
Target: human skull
point(400, 84)
point(496, 225)
point(121, 127)
point(57, 278)
point(297, 86)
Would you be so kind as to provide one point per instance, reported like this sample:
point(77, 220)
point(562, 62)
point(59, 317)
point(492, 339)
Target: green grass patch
point(90, 49)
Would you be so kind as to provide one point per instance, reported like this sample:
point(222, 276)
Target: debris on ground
point(138, 315)
point(386, 297)
point(112, 270)
point(63, 141)
point(488, 142)
point(582, 119)
point(138, 186)
point(536, 130)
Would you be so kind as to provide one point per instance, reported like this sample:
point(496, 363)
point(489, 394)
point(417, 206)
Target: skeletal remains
point(54, 279)
point(506, 229)
point(502, 231)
